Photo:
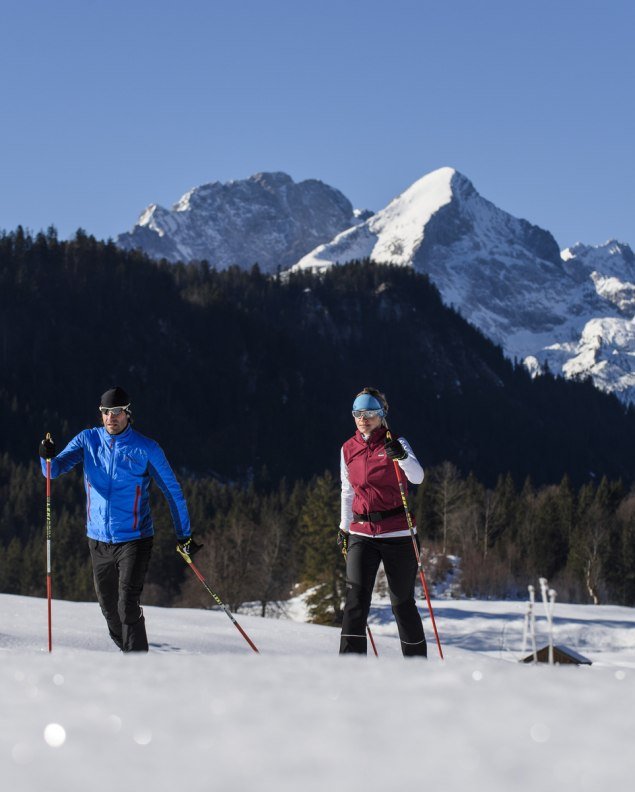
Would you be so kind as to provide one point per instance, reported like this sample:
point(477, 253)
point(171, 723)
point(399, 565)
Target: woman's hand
point(394, 450)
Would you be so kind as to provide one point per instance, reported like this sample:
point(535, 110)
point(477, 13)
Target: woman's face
point(367, 424)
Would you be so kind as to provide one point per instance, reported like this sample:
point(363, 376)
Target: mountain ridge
point(571, 311)
point(267, 218)
point(507, 277)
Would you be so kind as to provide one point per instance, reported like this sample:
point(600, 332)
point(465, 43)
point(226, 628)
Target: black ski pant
point(119, 572)
point(400, 564)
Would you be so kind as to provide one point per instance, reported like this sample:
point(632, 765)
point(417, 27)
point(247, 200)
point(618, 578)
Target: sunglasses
point(368, 413)
point(116, 411)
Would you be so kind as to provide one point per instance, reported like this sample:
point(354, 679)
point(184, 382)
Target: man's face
point(115, 419)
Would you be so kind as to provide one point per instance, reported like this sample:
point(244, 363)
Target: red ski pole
point(49, 594)
point(372, 641)
point(402, 490)
point(186, 557)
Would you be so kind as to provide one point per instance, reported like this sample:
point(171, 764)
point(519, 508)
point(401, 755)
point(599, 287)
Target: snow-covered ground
point(201, 711)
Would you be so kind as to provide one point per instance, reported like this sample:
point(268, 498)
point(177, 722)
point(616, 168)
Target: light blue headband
point(368, 402)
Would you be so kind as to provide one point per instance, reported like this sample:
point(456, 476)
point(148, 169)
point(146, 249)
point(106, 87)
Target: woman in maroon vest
point(374, 528)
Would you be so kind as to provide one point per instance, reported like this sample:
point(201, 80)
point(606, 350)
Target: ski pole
point(529, 626)
point(370, 635)
point(372, 641)
point(215, 597)
point(402, 490)
point(48, 547)
point(548, 612)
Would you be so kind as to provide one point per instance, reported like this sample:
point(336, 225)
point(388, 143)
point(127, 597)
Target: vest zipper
point(369, 451)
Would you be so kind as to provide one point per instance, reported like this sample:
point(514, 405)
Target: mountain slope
point(503, 274)
point(507, 277)
point(573, 312)
point(604, 349)
point(267, 219)
point(235, 371)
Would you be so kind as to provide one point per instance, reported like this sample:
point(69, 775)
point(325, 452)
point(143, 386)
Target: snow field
point(202, 711)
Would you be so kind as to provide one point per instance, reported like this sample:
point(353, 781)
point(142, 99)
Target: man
point(118, 465)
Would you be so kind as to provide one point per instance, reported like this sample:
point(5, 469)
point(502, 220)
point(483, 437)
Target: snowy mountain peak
point(267, 218)
point(507, 277)
point(427, 195)
point(439, 210)
point(437, 188)
point(612, 258)
point(423, 198)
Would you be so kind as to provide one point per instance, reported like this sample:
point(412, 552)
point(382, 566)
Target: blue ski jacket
point(117, 473)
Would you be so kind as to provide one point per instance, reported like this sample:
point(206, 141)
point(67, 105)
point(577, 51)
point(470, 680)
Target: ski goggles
point(368, 413)
point(116, 411)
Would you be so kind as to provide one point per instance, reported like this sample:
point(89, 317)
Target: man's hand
point(189, 546)
point(342, 541)
point(47, 448)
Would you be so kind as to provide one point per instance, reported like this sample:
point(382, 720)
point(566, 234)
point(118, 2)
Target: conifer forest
point(247, 380)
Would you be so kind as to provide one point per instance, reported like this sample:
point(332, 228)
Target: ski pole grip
point(398, 470)
point(183, 555)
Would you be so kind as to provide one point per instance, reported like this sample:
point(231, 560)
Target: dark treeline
point(235, 371)
point(263, 544)
point(247, 380)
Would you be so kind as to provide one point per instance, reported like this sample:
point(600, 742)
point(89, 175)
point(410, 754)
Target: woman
point(374, 527)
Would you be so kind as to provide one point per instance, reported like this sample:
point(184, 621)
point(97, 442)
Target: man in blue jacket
point(118, 465)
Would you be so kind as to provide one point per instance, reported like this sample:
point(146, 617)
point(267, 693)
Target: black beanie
point(115, 397)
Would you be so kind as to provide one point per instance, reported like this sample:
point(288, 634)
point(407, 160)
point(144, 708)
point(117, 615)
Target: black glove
point(394, 450)
point(189, 546)
point(47, 448)
point(342, 541)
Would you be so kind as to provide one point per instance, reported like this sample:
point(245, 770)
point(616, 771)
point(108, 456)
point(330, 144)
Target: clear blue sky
point(109, 106)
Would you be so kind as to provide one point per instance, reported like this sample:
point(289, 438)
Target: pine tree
point(323, 566)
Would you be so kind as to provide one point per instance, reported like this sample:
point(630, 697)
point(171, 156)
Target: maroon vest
point(374, 480)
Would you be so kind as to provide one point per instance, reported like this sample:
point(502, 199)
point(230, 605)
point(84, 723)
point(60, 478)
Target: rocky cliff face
point(267, 219)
